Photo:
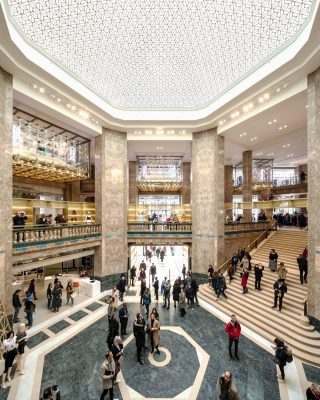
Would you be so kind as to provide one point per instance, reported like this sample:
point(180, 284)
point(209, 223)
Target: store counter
point(90, 289)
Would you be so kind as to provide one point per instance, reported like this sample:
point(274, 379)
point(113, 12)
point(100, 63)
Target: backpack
point(288, 353)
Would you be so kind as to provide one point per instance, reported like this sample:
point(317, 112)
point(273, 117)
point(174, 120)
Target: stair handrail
point(253, 245)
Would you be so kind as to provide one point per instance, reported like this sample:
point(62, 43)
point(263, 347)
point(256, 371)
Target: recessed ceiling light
point(41, 90)
point(288, 145)
point(285, 126)
point(261, 100)
point(274, 120)
point(278, 90)
point(35, 86)
point(58, 99)
point(266, 96)
point(73, 108)
point(307, 107)
point(270, 122)
point(68, 105)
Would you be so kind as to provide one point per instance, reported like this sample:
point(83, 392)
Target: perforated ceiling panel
point(160, 54)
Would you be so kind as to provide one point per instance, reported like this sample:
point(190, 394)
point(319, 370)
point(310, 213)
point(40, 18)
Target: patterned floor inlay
point(312, 373)
point(59, 326)
point(78, 315)
point(36, 339)
point(93, 306)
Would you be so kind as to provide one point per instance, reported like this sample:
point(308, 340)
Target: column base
point(200, 278)
point(109, 281)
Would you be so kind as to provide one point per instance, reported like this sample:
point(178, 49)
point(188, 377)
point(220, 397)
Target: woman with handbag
point(117, 351)
point(154, 333)
point(107, 374)
point(56, 297)
point(10, 352)
point(244, 280)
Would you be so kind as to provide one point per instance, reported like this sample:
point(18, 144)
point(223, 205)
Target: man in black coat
point(16, 305)
point(156, 288)
point(280, 288)
point(303, 268)
point(123, 316)
point(140, 335)
point(258, 274)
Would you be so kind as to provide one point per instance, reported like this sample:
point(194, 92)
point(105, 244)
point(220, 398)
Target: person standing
point(313, 392)
point(280, 288)
point(29, 308)
point(154, 333)
point(156, 288)
point(233, 329)
point(142, 290)
point(162, 254)
point(115, 294)
point(210, 273)
point(16, 305)
point(123, 317)
point(230, 272)
point(235, 261)
point(244, 280)
point(111, 310)
point(49, 296)
point(117, 352)
point(219, 282)
point(258, 274)
point(195, 288)
point(182, 303)
point(282, 272)
point(10, 351)
point(166, 294)
point(32, 289)
point(133, 274)
point(147, 301)
point(21, 339)
point(113, 331)
point(140, 335)
point(280, 357)
point(142, 265)
point(176, 293)
point(107, 376)
point(305, 252)
point(56, 297)
point(227, 388)
point(122, 287)
point(153, 271)
point(190, 296)
point(184, 271)
point(69, 291)
point(158, 252)
point(273, 257)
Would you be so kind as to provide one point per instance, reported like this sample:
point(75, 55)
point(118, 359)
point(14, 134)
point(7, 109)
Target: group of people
point(287, 219)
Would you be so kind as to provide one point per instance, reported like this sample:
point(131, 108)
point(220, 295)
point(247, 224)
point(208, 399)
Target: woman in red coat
point(244, 280)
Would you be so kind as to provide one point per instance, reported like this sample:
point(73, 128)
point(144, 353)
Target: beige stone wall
point(133, 190)
point(228, 188)
point(314, 192)
point(6, 110)
point(233, 242)
point(111, 202)
point(207, 200)
point(247, 183)
point(186, 183)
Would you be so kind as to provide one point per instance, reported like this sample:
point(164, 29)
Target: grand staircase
point(255, 310)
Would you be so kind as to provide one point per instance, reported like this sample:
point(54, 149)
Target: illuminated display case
point(45, 151)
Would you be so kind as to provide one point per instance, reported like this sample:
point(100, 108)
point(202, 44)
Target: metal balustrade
point(28, 235)
point(160, 227)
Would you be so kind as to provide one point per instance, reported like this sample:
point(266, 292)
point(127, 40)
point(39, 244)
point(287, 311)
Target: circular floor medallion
point(160, 360)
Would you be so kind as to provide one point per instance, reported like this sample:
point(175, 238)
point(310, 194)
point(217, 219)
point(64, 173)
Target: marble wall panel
point(133, 190)
point(207, 200)
point(228, 188)
point(314, 193)
point(6, 110)
point(111, 188)
point(186, 183)
point(247, 183)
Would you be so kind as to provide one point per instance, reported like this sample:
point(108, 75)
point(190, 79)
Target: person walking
point(117, 352)
point(162, 254)
point(142, 290)
point(49, 296)
point(233, 329)
point(303, 268)
point(122, 287)
point(184, 271)
point(16, 303)
point(140, 335)
point(182, 303)
point(123, 317)
point(111, 310)
point(32, 289)
point(189, 296)
point(244, 281)
point(273, 259)
point(258, 274)
point(280, 288)
point(147, 301)
point(280, 357)
point(235, 261)
point(153, 271)
point(282, 272)
point(154, 333)
point(220, 285)
point(210, 273)
point(195, 288)
point(133, 274)
point(156, 288)
point(227, 388)
point(29, 308)
point(230, 272)
point(107, 376)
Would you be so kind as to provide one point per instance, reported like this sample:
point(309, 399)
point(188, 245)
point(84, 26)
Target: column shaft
point(207, 200)
point(186, 183)
point(133, 190)
point(6, 112)
point(228, 189)
point(314, 193)
point(247, 183)
point(111, 205)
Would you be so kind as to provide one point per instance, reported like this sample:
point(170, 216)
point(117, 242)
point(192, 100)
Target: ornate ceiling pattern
point(160, 54)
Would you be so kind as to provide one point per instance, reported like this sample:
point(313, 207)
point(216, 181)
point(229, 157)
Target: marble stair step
point(275, 327)
point(293, 287)
point(252, 300)
point(292, 268)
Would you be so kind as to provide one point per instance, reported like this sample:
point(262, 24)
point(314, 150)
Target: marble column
point(247, 184)
point(72, 191)
point(6, 112)
point(133, 190)
point(314, 195)
point(228, 190)
point(186, 183)
point(207, 200)
point(111, 188)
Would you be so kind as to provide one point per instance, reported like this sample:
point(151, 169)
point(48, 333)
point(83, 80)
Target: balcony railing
point(159, 227)
point(245, 226)
point(28, 235)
